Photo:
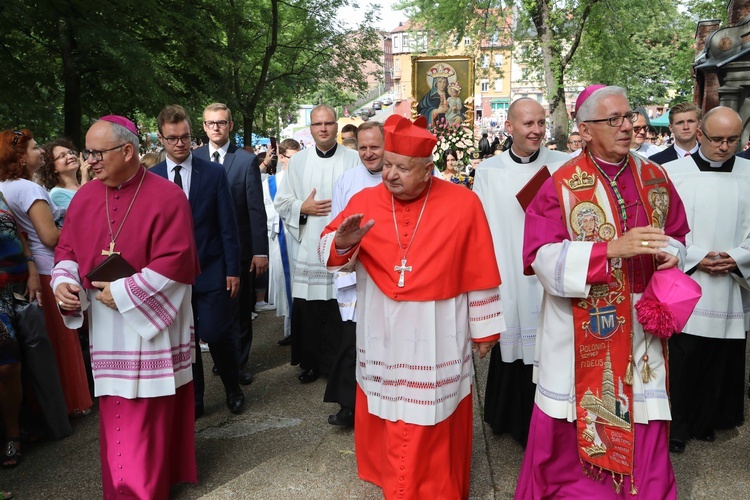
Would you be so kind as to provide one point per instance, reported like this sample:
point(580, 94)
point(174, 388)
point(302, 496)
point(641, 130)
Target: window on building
point(495, 39)
point(497, 106)
point(485, 85)
point(498, 60)
point(499, 85)
point(485, 61)
point(406, 42)
point(397, 64)
point(467, 41)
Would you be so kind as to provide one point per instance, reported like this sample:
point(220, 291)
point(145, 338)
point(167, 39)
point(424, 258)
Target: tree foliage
point(645, 47)
point(67, 62)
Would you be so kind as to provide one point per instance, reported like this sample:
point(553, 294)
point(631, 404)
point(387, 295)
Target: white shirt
point(186, 172)
point(222, 151)
point(681, 152)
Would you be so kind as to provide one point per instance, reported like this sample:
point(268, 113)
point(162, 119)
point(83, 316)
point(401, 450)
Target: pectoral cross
point(402, 268)
point(112, 250)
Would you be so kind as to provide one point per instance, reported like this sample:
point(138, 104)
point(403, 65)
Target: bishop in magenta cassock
point(595, 234)
point(141, 326)
point(420, 312)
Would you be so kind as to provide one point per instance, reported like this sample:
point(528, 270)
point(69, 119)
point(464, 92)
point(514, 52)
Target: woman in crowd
point(452, 172)
point(35, 214)
point(18, 274)
point(63, 172)
point(280, 255)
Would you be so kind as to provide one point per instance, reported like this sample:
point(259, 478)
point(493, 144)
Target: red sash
point(603, 320)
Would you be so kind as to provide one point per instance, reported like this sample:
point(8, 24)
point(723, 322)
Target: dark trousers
point(706, 382)
point(316, 334)
point(215, 315)
point(342, 381)
point(246, 306)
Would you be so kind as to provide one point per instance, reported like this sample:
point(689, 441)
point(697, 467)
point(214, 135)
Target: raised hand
point(350, 233)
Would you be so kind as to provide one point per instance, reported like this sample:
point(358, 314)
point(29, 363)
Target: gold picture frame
point(435, 102)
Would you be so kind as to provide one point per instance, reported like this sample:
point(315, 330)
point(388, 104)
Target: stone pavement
point(282, 447)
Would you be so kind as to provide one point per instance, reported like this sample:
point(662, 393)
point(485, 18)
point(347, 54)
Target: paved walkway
point(283, 448)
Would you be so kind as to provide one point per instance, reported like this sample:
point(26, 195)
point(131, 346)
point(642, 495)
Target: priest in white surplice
point(419, 315)
point(303, 201)
point(141, 326)
point(509, 396)
point(342, 384)
point(707, 360)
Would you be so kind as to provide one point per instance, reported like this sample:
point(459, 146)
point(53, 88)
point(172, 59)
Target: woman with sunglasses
point(36, 214)
point(63, 172)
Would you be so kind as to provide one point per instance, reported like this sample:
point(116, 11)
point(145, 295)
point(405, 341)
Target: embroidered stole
point(603, 320)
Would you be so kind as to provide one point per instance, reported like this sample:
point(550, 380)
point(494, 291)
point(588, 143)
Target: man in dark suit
point(684, 121)
point(243, 174)
point(217, 240)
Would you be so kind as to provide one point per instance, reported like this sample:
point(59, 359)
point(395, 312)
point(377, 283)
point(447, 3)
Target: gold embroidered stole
point(603, 320)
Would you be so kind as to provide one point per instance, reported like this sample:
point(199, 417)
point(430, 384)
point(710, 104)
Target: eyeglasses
point(67, 153)
point(651, 139)
point(616, 121)
point(285, 156)
point(322, 124)
point(640, 128)
point(98, 155)
point(220, 124)
point(17, 137)
point(574, 142)
point(185, 139)
point(717, 141)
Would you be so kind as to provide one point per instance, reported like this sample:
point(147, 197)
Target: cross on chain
point(111, 249)
point(402, 268)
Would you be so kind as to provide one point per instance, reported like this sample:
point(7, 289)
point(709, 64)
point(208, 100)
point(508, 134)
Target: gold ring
point(644, 243)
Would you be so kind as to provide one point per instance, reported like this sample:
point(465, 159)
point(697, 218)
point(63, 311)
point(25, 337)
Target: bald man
point(707, 360)
point(510, 390)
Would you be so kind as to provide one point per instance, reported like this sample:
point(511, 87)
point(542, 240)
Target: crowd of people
point(130, 260)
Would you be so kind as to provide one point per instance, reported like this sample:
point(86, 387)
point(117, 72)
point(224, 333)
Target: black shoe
point(308, 376)
point(708, 437)
point(215, 370)
point(246, 376)
point(344, 418)
point(235, 401)
point(285, 341)
point(676, 445)
point(198, 411)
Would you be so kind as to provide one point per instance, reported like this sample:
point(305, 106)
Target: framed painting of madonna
point(443, 89)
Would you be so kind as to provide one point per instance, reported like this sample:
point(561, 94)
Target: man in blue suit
point(684, 121)
point(218, 243)
point(243, 174)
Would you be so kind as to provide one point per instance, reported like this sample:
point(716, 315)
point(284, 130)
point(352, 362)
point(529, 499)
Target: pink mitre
point(586, 94)
point(121, 120)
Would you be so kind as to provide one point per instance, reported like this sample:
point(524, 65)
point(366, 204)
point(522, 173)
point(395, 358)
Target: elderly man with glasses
point(593, 239)
point(303, 201)
point(639, 142)
point(140, 320)
point(707, 360)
